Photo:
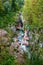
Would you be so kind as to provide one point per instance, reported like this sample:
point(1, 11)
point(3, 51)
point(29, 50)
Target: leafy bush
point(7, 59)
point(35, 61)
point(8, 19)
point(32, 11)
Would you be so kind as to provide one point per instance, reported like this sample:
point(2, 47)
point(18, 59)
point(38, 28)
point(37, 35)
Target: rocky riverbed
point(14, 46)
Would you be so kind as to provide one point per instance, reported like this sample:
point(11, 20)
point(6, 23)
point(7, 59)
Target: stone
point(4, 39)
point(3, 32)
point(13, 29)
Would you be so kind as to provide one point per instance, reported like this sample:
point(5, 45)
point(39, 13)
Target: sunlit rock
point(4, 39)
point(13, 29)
point(3, 32)
point(40, 44)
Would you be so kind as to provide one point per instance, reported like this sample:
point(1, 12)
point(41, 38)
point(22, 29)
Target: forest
point(27, 31)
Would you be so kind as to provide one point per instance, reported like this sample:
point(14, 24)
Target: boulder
point(4, 38)
point(3, 32)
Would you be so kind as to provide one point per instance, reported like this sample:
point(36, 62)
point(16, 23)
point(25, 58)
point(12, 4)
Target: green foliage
point(33, 10)
point(33, 14)
point(10, 5)
point(8, 11)
point(7, 19)
point(35, 60)
point(7, 6)
point(17, 4)
point(7, 59)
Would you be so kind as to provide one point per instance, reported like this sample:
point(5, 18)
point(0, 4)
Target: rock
point(13, 29)
point(20, 59)
point(40, 44)
point(4, 39)
point(11, 48)
point(3, 32)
